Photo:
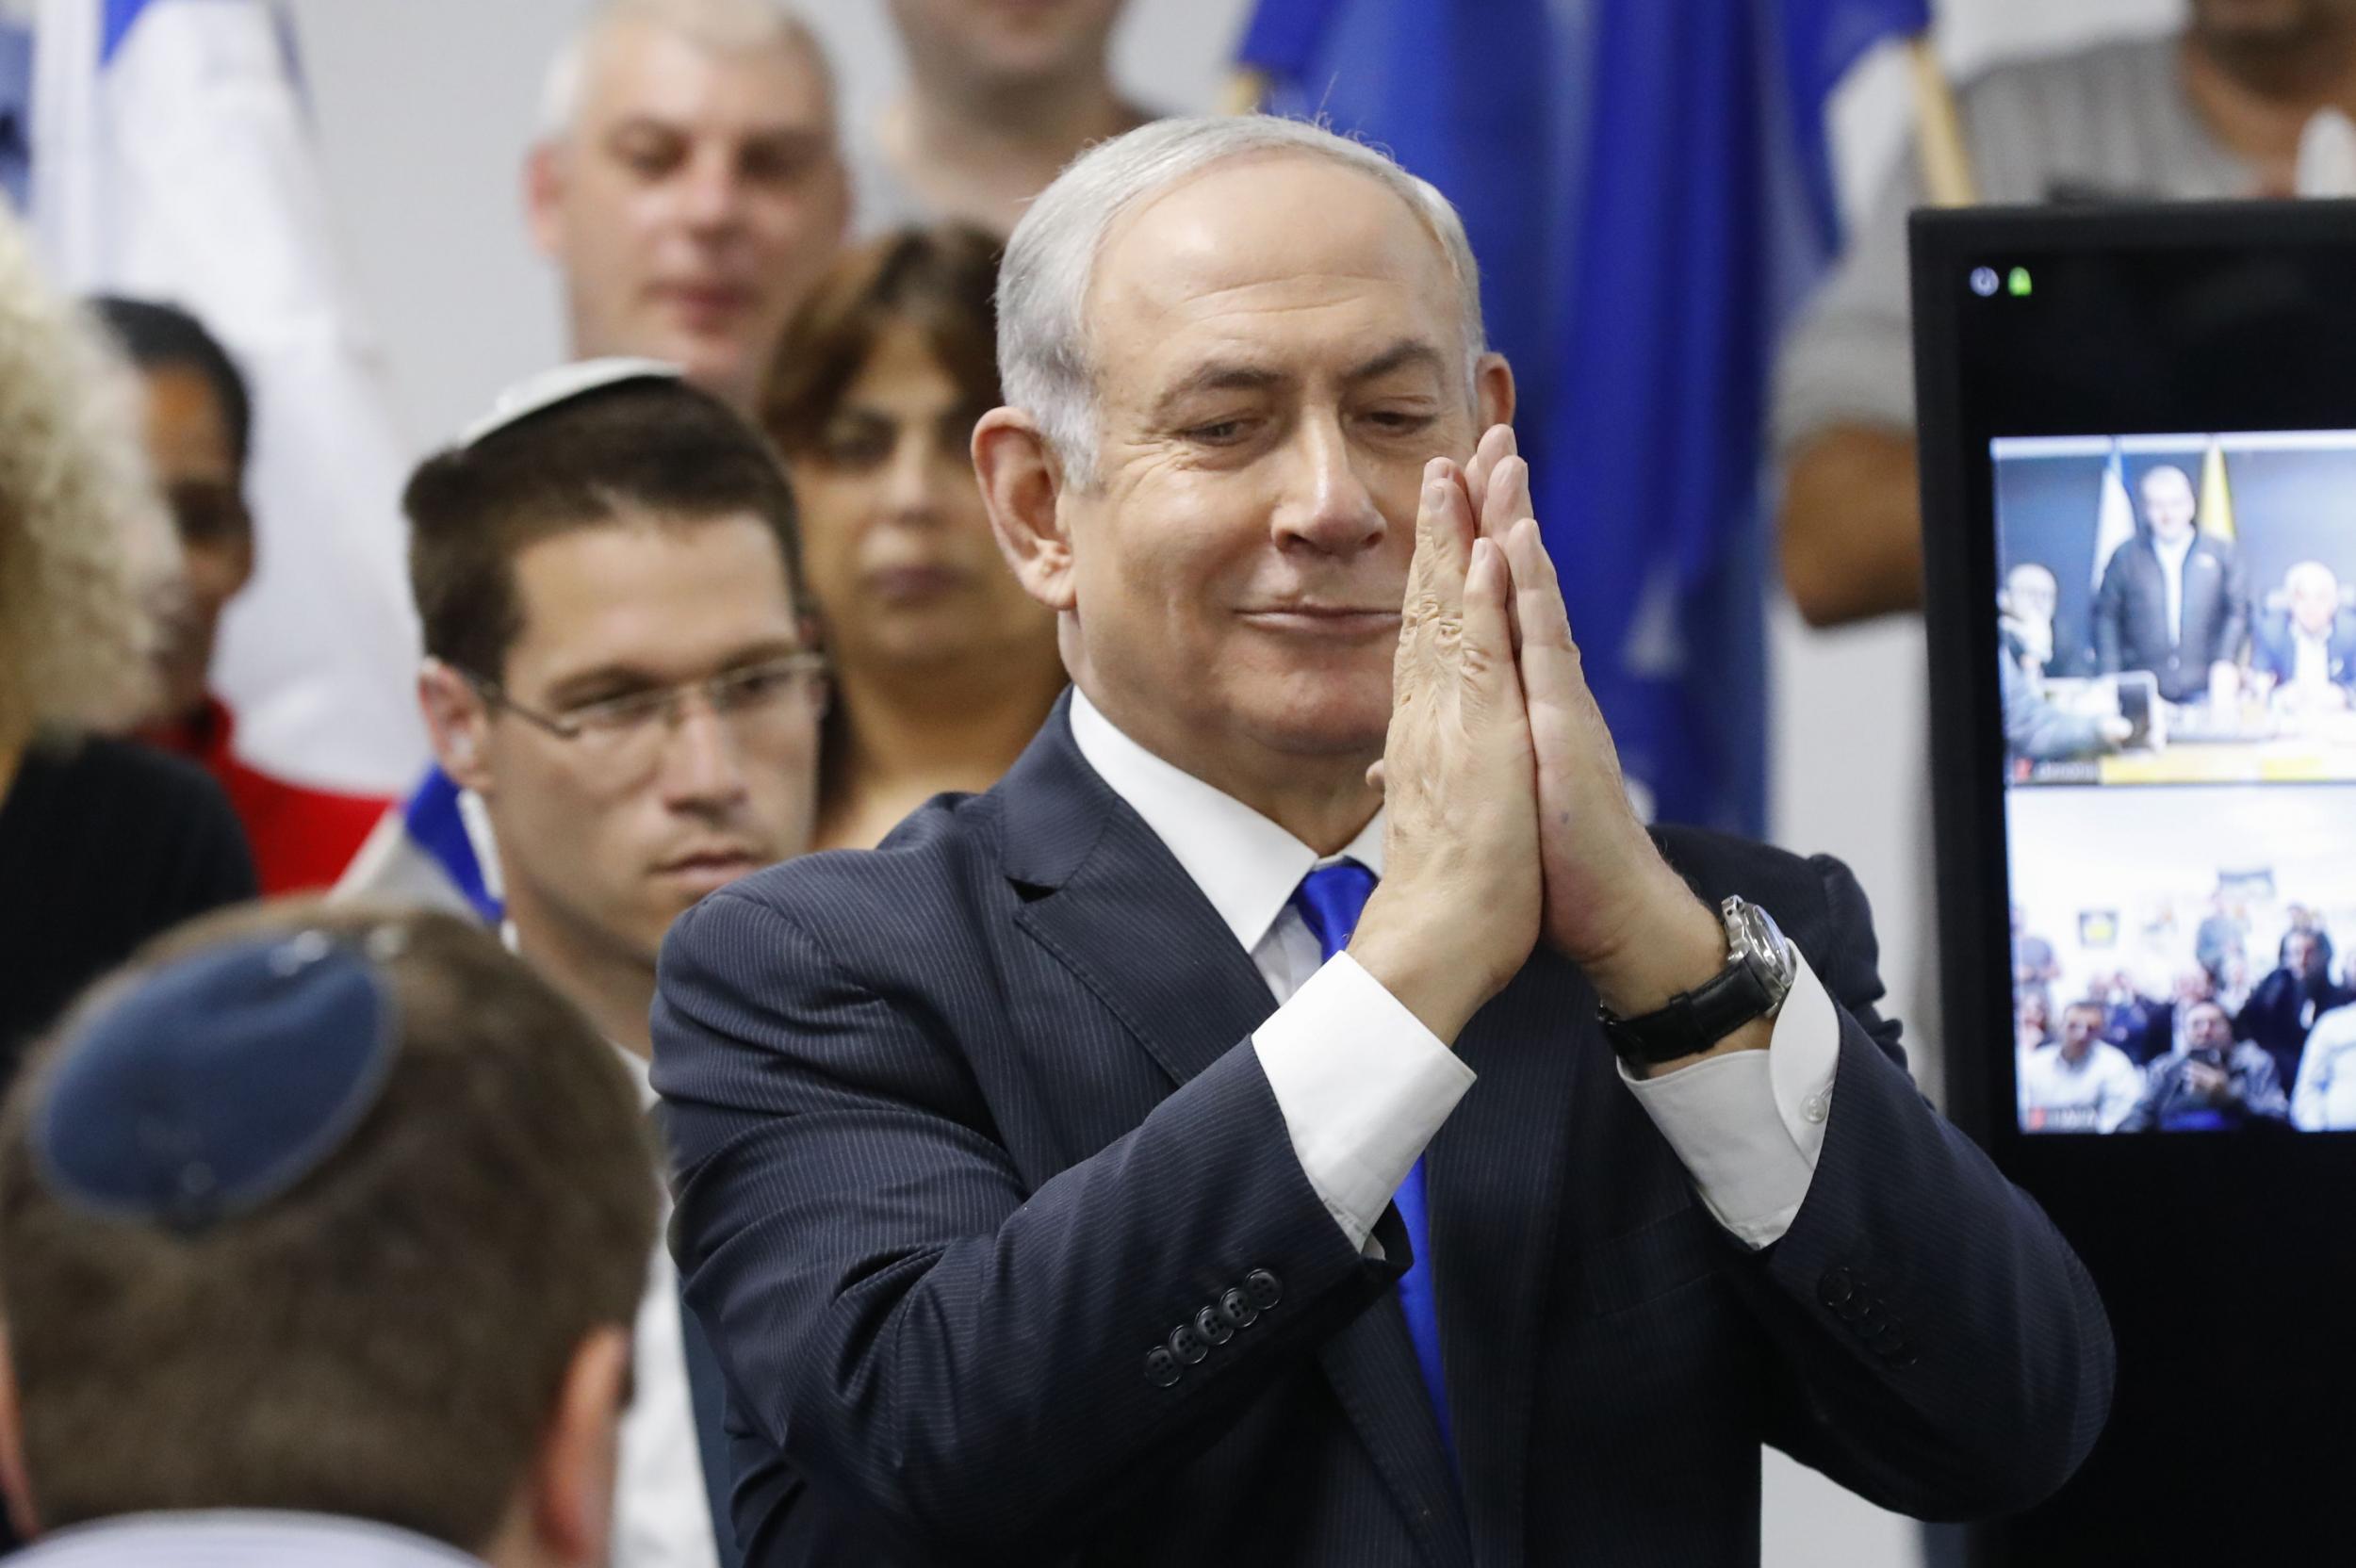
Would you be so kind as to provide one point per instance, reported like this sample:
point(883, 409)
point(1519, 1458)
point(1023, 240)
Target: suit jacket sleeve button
point(1236, 1308)
point(1162, 1368)
point(1211, 1326)
point(1186, 1345)
point(1264, 1288)
point(1835, 1287)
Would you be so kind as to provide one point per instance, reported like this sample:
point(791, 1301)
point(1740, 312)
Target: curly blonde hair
point(86, 550)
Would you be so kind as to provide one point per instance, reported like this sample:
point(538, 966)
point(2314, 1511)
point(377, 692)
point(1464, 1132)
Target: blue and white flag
point(1647, 188)
point(173, 159)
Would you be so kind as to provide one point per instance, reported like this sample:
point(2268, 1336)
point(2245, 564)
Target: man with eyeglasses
point(197, 425)
point(620, 668)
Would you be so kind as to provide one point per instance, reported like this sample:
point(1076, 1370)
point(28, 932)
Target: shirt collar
point(250, 1538)
point(2180, 550)
point(1245, 864)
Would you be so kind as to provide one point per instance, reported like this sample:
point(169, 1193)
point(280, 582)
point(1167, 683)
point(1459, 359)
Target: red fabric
point(302, 838)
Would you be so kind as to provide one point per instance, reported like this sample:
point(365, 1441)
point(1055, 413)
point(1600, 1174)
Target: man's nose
point(711, 193)
point(701, 768)
point(1327, 505)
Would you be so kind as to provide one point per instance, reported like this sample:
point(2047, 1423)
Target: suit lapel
point(1494, 1183)
point(1109, 902)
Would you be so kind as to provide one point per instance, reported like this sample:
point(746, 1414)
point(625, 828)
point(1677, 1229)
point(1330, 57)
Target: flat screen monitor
point(2139, 466)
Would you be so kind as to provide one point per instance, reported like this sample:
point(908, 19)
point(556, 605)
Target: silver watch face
point(1753, 939)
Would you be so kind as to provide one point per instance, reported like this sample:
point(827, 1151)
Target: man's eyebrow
point(1218, 376)
point(1407, 353)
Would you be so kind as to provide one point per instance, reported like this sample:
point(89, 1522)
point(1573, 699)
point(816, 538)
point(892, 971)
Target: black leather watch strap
point(1692, 1022)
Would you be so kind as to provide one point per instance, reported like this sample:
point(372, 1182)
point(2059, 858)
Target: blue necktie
point(1330, 900)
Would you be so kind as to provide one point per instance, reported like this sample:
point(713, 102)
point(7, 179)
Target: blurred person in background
point(2164, 1027)
point(2025, 621)
point(999, 98)
point(687, 183)
point(357, 1292)
point(2032, 1019)
point(2306, 653)
point(620, 667)
point(198, 426)
point(2323, 1096)
point(2081, 1083)
point(103, 842)
point(2214, 112)
point(2211, 1082)
point(943, 668)
point(2287, 1003)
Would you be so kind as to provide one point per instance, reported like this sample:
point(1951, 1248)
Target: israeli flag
point(173, 159)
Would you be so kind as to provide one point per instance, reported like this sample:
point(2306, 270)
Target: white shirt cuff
point(1362, 1085)
point(1750, 1125)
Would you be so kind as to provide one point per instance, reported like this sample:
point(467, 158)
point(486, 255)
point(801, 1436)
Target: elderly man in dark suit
point(2173, 600)
point(1301, 1115)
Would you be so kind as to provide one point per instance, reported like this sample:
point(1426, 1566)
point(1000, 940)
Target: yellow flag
point(2217, 497)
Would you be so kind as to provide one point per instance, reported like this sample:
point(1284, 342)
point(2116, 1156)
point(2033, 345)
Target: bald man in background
point(687, 183)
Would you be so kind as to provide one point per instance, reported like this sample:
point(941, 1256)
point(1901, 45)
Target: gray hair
point(1043, 358)
point(728, 26)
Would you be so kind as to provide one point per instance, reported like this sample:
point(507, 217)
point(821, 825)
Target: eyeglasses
point(753, 701)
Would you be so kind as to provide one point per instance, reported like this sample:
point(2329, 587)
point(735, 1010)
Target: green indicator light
point(2018, 281)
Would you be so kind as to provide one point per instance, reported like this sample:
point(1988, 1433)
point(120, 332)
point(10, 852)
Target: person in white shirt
point(621, 666)
point(323, 1232)
point(1205, 1145)
point(2324, 1098)
point(2081, 1083)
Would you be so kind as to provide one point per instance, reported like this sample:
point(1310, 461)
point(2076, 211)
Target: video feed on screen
point(2178, 608)
point(2176, 622)
point(2182, 963)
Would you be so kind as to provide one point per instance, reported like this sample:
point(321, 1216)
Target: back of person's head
point(647, 451)
point(334, 1211)
point(158, 336)
point(940, 280)
point(84, 542)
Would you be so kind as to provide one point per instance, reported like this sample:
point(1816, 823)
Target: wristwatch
point(1760, 969)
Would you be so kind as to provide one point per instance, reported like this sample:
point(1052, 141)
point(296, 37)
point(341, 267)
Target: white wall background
point(425, 108)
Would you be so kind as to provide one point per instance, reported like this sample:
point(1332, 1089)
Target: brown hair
point(650, 451)
point(940, 280)
point(387, 1339)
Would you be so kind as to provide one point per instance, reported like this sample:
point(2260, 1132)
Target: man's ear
point(1493, 391)
point(544, 196)
point(14, 1483)
point(1022, 484)
point(458, 721)
point(572, 1476)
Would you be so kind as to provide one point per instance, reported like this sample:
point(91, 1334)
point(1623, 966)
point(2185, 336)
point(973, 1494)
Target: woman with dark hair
point(943, 667)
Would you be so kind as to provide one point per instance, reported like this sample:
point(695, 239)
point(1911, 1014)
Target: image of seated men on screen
point(2178, 608)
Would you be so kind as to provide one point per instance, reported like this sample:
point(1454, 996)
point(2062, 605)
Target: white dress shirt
point(2311, 657)
point(2172, 576)
point(662, 1512)
point(239, 1538)
point(2324, 1099)
point(1363, 1085)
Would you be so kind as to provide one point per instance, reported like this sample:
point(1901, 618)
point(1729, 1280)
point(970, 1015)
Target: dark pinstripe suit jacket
point(968, 1124)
